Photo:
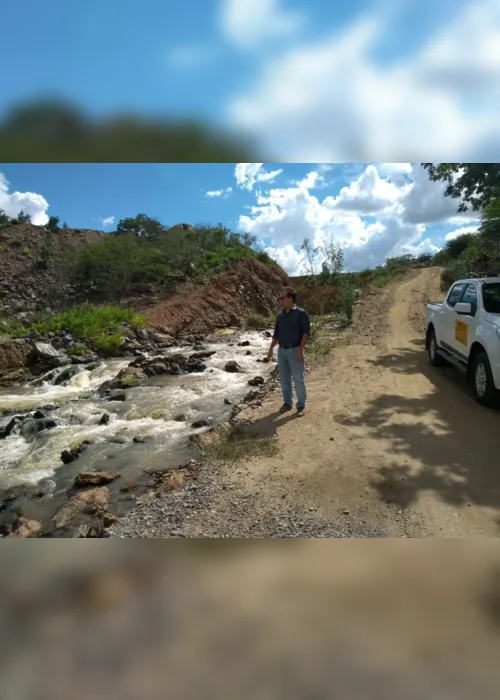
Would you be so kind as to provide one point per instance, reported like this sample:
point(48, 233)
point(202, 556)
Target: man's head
point(288, 296)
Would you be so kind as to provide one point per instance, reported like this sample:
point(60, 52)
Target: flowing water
point(163, 409)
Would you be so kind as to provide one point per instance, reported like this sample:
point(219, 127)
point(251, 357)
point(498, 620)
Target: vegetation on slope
point(52, 130)
point(142, 251)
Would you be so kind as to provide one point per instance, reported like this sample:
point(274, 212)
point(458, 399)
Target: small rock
point(180, 418)
point(228, 402)
point(244, 344)
point(232, 366)
point(142, 334)
point(117, 395)
point(256, 381)
point(105, 418)
point(109, 519)
point(26, 528)
point(118, 440)
point(140, 439)
point(202, 423)
point(248, 352)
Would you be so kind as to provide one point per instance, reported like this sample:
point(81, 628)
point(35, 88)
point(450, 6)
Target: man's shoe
point(300, 412)
point(286, 407)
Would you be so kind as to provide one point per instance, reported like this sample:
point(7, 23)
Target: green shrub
point(109, 344)
point(260, 323)
point(77, 350)
point(347, 300)
point(2, 249)
point(26, 251)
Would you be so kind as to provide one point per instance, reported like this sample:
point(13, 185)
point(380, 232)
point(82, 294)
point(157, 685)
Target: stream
point(161, 410)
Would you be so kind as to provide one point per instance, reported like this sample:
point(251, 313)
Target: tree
point(53, 223)
point(334, 254)
point(310, 253)
point(4, 219)
point(477, 184)
point(489, 231)
point(142, 226)
point(23, 218)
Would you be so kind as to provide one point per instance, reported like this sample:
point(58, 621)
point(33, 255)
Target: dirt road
point(389, 446)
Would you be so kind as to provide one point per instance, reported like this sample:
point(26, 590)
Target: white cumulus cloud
point(249, 23)
point(330, 99)
point(108, 221)
point(460, 232)
point(12, 203)
point(375, 217)
point(224, 193)
point(248, 174)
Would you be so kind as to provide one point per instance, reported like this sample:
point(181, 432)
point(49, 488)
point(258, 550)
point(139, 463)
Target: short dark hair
point(290, 293)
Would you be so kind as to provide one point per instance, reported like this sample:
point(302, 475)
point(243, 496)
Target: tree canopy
point(476, 184)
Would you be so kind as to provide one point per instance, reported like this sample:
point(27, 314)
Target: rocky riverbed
point(81, 442)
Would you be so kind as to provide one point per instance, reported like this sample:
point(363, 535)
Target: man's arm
point(274, 342)
point(306, 332)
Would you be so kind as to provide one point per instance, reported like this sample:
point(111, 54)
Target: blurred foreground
point(386, 619)
point(55, 131)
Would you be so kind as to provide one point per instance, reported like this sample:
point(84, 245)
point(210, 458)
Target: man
point(291, 333)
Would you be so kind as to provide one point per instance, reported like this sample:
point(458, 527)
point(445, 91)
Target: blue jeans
point(289, 369)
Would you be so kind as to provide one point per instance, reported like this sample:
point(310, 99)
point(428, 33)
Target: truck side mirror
point(464, 308)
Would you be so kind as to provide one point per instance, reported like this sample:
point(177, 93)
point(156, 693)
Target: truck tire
point(432, 346)
point(482, 381)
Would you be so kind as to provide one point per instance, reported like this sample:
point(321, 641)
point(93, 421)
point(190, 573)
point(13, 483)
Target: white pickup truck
point(464, 330)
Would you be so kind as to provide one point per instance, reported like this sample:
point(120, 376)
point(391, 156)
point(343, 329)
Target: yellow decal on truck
point(461, 332)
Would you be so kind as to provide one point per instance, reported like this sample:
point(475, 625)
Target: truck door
point(464, 326)
point(448, 339)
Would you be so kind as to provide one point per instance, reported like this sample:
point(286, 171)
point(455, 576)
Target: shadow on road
point(269, 425)
point(455, 441)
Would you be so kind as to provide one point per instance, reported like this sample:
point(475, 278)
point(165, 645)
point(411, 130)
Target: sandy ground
point(388, 442)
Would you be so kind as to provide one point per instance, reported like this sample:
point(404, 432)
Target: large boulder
point(15, 358)
point(95, 478)
point(67, 374)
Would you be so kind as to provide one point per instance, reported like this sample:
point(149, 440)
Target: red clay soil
point(250, 287)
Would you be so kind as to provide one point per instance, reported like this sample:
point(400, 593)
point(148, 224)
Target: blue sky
point(372, 210)
point(364, 79)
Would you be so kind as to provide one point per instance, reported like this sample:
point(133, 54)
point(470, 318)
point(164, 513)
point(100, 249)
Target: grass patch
point(17, 243)
point(234, 445)
point(101, 325)
point(26, 251)
point(158, 415)
point(260, 323)
point(77, 350)
point(129, 383)
point(2, 249)
point(108, 344)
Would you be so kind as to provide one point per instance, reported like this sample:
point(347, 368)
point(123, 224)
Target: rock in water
point(256, 381)
point(232, 366)
point(95, 478)
point(70, 455)
point(67, 374)
point(104, 419)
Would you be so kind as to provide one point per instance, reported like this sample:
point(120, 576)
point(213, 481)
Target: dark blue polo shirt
point(291, 326)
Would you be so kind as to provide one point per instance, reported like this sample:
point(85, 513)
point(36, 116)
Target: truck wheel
point(434, 358)
point(482, 381)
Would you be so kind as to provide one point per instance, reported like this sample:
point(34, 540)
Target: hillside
point(34, 274)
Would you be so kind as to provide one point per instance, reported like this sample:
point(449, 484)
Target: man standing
point(291, 333)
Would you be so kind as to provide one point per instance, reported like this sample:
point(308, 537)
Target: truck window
point(491, 297)
point(470, 297)
point(455, 294)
